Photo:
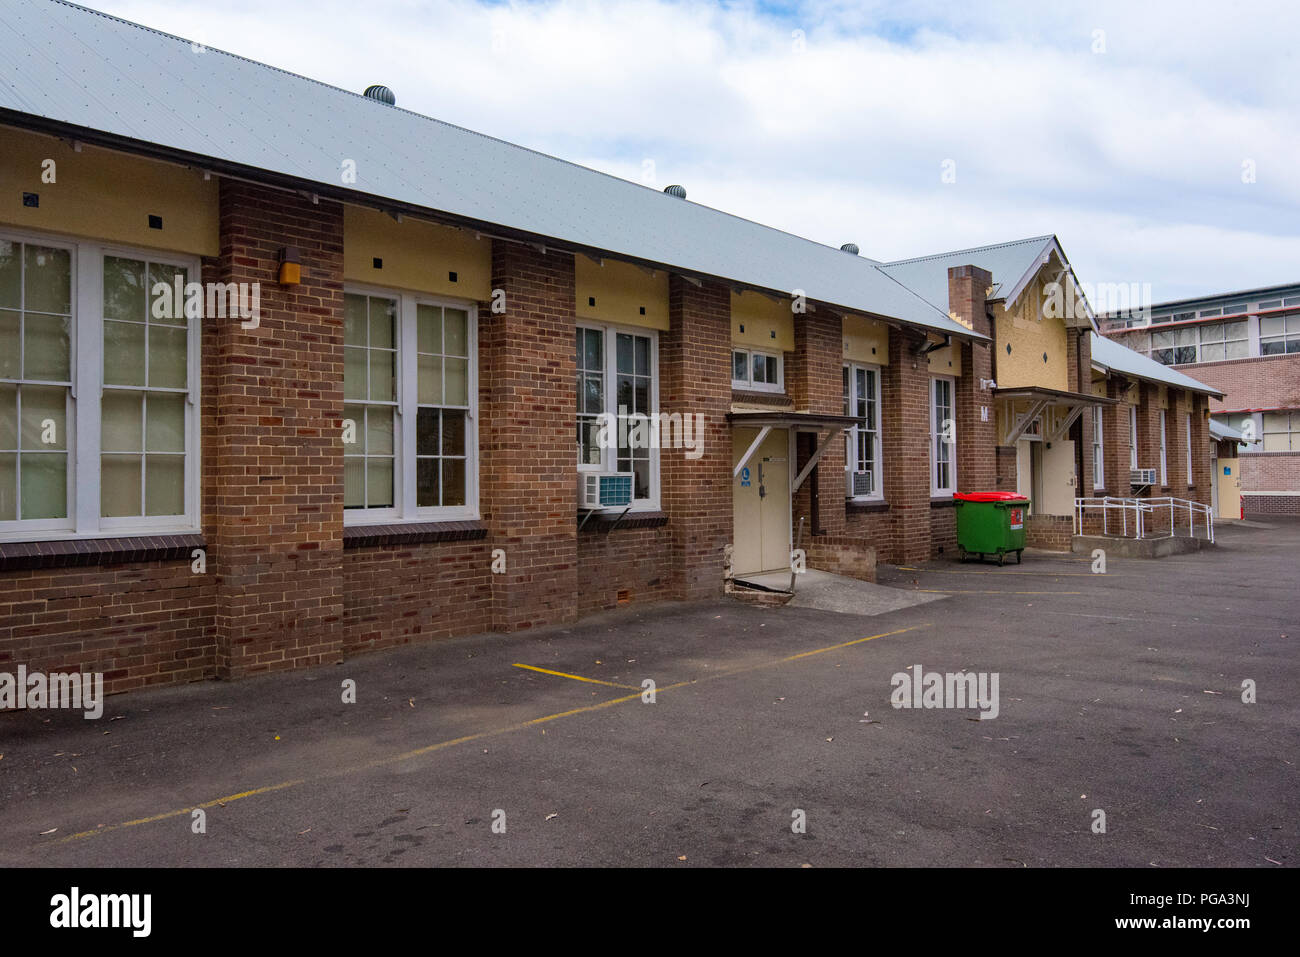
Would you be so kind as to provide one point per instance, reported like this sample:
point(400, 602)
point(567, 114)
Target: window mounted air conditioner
point(862, 483)
point(605, 489)
point(1142, 477)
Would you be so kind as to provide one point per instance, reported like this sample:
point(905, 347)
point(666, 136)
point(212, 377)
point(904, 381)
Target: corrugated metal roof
point(1008, 262)
point(1219, 431)
point(80, 67)
point(1117, 358)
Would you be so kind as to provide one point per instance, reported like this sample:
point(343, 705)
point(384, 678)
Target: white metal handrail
point(1142, 511)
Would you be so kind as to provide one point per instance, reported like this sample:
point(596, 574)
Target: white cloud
point(1132, 156)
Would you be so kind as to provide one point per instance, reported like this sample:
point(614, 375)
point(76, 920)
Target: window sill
point(412, 533)
point(775, 397)
point(936, 502)
point(865, 507)
point(73, 552)
point(605, 521)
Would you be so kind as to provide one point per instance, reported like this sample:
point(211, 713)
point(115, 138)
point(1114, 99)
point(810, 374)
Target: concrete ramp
point(847, 596)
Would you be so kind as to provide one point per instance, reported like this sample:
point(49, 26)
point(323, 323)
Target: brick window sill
point(606, 523)
point(761, 398)
point(81, 552)
point(412, 533)
point(943, 503)
point(864, 508)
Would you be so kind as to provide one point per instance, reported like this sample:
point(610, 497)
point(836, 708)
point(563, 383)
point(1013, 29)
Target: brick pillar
point(815, 381)
point(1079, 364)
point(1148, 426)
point(1178, 477)
point(273, 461)
point(695, 378)
point(905, 424)
point(528, 470)
point(1202, 473)
point(976, 431)
point(1115, 438)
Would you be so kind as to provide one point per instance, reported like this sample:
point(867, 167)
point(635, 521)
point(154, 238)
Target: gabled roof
point(1113, 357)
point(118, 83)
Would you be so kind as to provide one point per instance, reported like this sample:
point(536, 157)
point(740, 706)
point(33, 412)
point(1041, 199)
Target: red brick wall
point(274, 462)
point(815, 381)
point(849, 555)
point(528, 455)
point(976, 432)
point(1050, 532)
point(632, 560)
point(695, 377)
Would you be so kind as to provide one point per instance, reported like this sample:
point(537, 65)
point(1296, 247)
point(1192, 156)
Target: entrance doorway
point(760, 496)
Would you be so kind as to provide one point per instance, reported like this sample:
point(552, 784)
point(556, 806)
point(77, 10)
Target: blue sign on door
point(744, 477)
point(1227, 470)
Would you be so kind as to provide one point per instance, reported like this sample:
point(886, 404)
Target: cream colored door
point(1058, 478)
point(1229, 480)
point(760, 497)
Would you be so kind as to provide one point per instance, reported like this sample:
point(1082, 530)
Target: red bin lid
point(989, 497)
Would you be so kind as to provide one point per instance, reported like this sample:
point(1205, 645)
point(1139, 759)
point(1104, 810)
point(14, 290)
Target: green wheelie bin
point(990, 523)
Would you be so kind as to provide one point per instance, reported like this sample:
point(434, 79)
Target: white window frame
point(609, 456)
point(936, 437)
point(851, 436)
point(1133, 437)
point(86, 342)
point(747, 384)
point(1098, 449)
point(1164, 449)
point(406, 415)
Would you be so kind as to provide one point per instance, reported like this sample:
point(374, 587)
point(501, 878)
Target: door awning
point(1040, 400)
point(809, 421)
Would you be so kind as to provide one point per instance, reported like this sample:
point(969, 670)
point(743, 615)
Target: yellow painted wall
point(417, 255)
point(1030, 336)
point(1163, 399)
point(947, 361)
point(100, 194)
point(1099, 387)
point(621, 291)
point(866, 340)
point(761, 317)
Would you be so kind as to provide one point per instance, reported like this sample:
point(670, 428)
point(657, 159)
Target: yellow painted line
point(465, 739)
point(565, 674)
point(185, 810)
point(976, 591)
point(1003, 571)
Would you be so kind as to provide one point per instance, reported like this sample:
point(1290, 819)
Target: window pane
point(164, 485)
point(588, 451)
point(8, 487)
point(427, 484)
point(379, 483)
point(44, 412)
point(165, 425)
point(167, 369)
point(354, 481)
point(1213, 352)
point(1235, 330)
point(355, 414)
point(453, 432)
point(167, 274)
point(623, 348)
point(595, 387)
point(642, 355)
point(738, 366)
point(124, 353)
point(121, 421)
point(593, 353)
point(45, 485)
point(354, 320)
point(1270, 326)
point(383, 384)
point(457, 381)
point(759, 367)
point(47, 280)
point(1212, 333)
point(430, 385)
point(379, 431)
point(119, 485)
point(124, 292)
point(11, 275)
point(1238, 349)
point(453, 481)
point(455, 327)
point(1271, 347)
point(8, 417)
point(47, 348)
point(427, 432)
point(428, 329)
point(10, 354)
point(383, 316)
point(354, 373)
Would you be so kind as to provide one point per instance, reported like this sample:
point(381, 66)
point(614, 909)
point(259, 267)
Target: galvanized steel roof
point(78, 67)
point(1008, 262)
point(1114, 357)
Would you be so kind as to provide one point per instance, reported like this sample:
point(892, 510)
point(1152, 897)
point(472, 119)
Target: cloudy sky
point(1158, 141)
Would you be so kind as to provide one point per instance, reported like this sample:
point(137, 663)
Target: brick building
point(1247, 345)
point(291, 374)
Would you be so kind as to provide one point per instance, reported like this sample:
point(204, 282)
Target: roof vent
point(381, 93)
point(678, 191)
point(850, 248)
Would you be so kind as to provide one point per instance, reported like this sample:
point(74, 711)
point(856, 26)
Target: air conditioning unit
point(862, 483)
point(1142, 477)
point(605, 489)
